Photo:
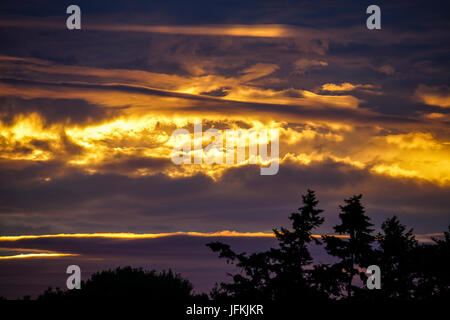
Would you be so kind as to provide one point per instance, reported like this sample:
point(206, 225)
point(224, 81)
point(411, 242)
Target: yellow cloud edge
point(37, 255)
point(127, 235)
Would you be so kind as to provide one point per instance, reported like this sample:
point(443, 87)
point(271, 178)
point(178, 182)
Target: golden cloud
point(345, 86)
point(433, 95)
point(160, 103)
point(94, 147)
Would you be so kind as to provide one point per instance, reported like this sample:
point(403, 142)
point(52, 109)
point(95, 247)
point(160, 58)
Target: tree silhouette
point(395, 259)
point(432, 265)
point(356, 250)
point(277, 274)
point(254, 280)
point(129, 284)
point(441, 271)
point(410, 271)
point(291, 280)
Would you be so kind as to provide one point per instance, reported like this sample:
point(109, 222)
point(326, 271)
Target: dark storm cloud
point(242, 200)
point(53, 110)
point(360, 57)
point(202, 104)
point(82, 188)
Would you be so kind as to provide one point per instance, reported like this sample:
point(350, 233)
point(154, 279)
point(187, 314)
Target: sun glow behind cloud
point(122, 236)
point(146, 107)
point(37, 255)
point(95, 147)
point(128, 235)
point(42, 254)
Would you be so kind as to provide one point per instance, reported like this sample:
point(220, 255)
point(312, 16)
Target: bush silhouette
point(128, 283)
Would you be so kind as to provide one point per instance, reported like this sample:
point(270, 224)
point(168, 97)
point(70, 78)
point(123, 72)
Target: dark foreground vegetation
point(409, 270)
point(285, 279)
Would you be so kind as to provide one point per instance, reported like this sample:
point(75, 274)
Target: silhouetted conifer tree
point(432, 265)
point(356, 250)
point(280, 273)
point(395, 259)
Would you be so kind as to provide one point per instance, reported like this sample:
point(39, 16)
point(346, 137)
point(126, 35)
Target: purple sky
point(86, 118)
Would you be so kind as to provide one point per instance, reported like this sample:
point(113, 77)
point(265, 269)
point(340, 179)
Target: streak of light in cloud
point(224, 233)
point(37, 255)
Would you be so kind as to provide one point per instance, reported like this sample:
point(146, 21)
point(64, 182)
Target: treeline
point(410, 271)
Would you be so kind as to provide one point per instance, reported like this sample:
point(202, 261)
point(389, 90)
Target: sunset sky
point(86, 118)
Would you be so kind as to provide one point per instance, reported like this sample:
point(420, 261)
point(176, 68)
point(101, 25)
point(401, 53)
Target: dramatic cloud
point(433, 95)
point(346, 86)
point(303, 65)
point(87, 117)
